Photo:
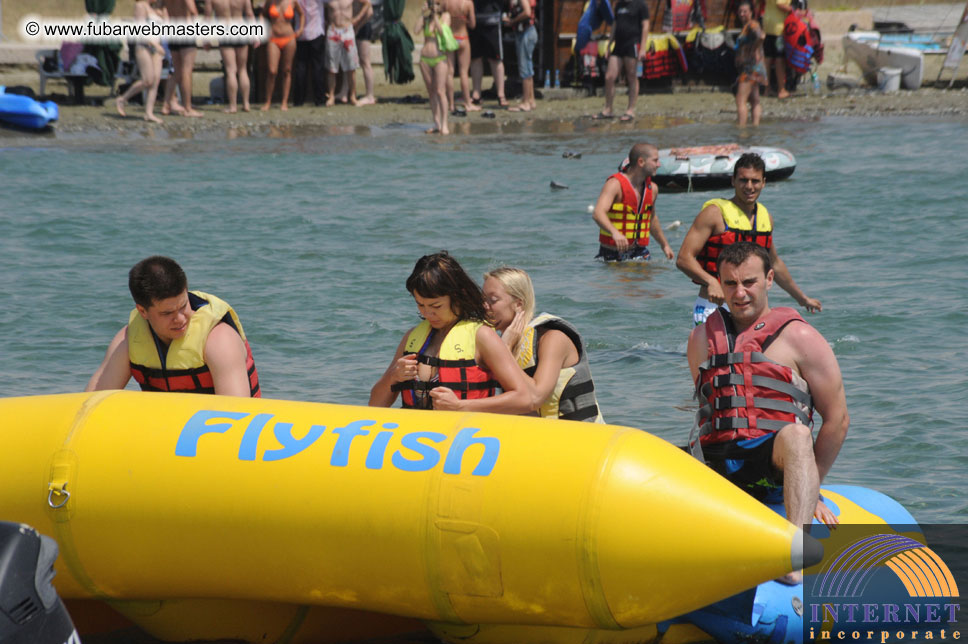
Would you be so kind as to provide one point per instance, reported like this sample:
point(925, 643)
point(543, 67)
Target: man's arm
point(699, 233)
point(818, 366)
point(644, 44)
point(115, 369)
point(611, 191)
point(697, 351)
point(225, 356)
point(655, 227)
point(785, 280)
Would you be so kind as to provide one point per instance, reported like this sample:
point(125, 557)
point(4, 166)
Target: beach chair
point(49, 66)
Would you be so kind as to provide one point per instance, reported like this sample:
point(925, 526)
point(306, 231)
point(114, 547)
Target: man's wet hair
point(440, 274)
point(736, 254)
point(156, 278)
point(749, 160)
point(638, 151)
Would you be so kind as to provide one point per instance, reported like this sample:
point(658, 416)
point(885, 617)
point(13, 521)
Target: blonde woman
point(549, 349)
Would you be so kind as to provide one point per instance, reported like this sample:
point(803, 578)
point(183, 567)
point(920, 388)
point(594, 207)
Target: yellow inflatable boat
point(440, 516)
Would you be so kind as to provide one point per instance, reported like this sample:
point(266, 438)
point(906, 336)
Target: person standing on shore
point(177, 340)
point(310, 60)
point(462, 18)
point(362, 15)
point(150, 56)
point(183, 62)
point(235, 54)
point(722, 222)
point(749, 64)
point(281, 47)
point(627, 46)
point(341, 53)
point(774, 14)
point(487, 42)
point(759, 374)
point(521, 20)
point(625, 210)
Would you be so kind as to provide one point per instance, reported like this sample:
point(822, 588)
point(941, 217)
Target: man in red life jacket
point(177, 340)
point(759, 374)
point(625, 211)
point(722, 222)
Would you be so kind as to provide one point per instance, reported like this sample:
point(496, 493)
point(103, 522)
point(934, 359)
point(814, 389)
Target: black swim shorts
point(748, 464)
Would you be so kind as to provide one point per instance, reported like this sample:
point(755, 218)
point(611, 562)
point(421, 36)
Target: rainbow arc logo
point(920, 569)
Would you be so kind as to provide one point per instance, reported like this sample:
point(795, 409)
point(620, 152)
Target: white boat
point(710, 167)
point(871, 52)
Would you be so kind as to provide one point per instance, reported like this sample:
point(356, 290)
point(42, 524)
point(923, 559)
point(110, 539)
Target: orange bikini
point(288, 14)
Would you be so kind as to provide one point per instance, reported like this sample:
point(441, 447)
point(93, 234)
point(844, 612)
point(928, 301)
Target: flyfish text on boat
point(417, 451)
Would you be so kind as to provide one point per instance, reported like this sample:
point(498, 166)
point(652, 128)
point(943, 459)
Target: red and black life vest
point(664, 57)
point(739, 227)
point(798, 43)
point(742, 393)
point(633, 216)
point(180, 367)
point(455, 364)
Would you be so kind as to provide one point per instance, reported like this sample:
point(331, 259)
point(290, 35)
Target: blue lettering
point(197, 425)
point(952, 611)
point(291, 445)
point(890, 613)
point(851, 609)
point(430, 456)
point(912, 610)
point(831, 612)
point(374, 458)
point(870, 613)
point(463, 440)
point(341, 453)
point(931, 613)
point(814, 613)
point(250, 440)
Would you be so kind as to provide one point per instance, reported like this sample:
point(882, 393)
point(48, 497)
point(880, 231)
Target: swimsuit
point(288, 13)
point(341, 49)
point(281, 41)
point(432, 61)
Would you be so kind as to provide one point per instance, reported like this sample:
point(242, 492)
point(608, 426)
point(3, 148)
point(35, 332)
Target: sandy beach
point(563, 109)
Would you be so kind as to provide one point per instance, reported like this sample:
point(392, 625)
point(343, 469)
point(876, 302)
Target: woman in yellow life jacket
point(452, 360)
point(548, 348)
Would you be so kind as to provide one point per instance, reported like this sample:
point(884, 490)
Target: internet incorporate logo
point(919, 568)
point(878, 585)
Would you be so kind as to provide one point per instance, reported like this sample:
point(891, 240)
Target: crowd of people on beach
point(321, 43)
point(759, 372)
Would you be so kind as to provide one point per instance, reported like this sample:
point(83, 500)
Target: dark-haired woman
point(452, 360)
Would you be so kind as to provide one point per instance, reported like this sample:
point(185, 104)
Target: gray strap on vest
point(739, 402)
point(736, 380)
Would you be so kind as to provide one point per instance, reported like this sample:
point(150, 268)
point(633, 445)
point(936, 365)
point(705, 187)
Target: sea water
point(311, 236)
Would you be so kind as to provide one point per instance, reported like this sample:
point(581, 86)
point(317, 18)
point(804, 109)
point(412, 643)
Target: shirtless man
point(183, 60)
point(462, 18)
point(759, 374)
point(235, 54)
point(341, 54)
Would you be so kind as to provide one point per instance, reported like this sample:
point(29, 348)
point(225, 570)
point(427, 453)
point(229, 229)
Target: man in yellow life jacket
point(625, 211)
point(177, 340)
point(722, 222)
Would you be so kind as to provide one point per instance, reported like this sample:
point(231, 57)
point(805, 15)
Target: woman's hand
point(445, 399)
point(515, 330)
point(405, 368)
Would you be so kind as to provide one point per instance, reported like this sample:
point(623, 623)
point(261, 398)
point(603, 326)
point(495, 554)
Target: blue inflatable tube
point(25, 112)
point(773, 612)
